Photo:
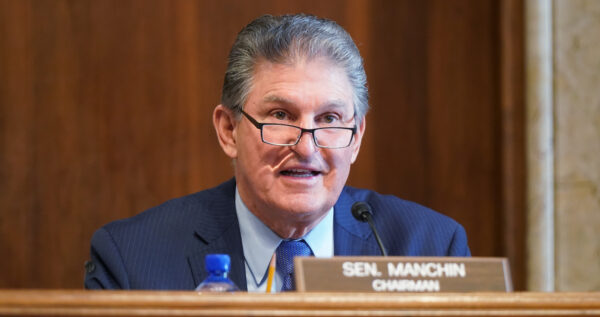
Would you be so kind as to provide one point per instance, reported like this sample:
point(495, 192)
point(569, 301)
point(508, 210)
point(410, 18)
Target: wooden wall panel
point(463, 124)
point(105, 110)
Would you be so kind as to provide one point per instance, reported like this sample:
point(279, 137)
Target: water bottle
point(217, 266)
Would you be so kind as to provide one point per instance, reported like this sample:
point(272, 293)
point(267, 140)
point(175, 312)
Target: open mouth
point(299, 173)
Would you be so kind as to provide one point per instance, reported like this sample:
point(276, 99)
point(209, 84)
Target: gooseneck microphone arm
point(362, 212)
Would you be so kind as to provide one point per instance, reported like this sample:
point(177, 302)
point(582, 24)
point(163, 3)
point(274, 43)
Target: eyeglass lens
point(288, 135)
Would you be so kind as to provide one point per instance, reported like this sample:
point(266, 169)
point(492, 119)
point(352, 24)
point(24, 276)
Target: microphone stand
point(370, 221)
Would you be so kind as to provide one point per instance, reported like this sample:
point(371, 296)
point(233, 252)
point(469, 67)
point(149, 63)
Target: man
point(292, 117)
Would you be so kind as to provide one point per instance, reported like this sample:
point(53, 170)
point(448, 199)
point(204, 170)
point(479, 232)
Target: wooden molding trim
point(162, 303)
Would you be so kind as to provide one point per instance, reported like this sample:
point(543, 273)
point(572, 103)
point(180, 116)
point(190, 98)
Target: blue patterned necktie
point(286, 251)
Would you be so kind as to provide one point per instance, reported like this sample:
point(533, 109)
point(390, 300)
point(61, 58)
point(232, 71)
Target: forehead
point(315, 83)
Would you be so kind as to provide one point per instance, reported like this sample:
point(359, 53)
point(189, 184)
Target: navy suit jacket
point(164, 247)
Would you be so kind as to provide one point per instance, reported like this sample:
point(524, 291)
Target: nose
point(306, 145)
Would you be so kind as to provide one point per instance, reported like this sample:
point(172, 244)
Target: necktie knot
point(287, 250)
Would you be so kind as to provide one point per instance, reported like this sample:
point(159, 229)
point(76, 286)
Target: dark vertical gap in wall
point(512, 98)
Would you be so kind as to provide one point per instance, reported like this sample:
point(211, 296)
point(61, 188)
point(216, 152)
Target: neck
point(286, 226)
point(286, 222)
point(291, 231)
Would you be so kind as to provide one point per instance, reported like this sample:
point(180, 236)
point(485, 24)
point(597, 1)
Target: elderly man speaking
point(292, 117)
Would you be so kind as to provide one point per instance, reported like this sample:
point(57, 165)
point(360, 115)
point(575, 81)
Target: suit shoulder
point(175, 214)
point(392, 206)
point(151, 250)
point(410, 229)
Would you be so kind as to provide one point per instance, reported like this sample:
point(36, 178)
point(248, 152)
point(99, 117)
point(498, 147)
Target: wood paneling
point(105, 110)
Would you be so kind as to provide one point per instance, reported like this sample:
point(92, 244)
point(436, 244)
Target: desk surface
point(159, 303)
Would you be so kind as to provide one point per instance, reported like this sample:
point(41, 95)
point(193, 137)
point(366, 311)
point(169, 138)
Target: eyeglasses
point(288, 135)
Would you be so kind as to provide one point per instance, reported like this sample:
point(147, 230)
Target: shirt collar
point(259, 242)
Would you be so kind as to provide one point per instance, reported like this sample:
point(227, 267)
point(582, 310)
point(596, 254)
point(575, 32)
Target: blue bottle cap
point(217, 262)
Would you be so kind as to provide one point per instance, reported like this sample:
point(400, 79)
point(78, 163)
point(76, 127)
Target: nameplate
point(402, 274)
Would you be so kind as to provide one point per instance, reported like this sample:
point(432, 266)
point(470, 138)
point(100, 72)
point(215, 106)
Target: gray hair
point(285, 39)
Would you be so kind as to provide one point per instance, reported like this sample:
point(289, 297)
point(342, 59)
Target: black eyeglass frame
point(260, 125)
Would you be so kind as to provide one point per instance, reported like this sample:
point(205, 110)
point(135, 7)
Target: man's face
point(294, 183)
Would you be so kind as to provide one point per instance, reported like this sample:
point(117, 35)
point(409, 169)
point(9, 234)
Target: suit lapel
point(218, 232)
point(350, 236)
point(237, 272)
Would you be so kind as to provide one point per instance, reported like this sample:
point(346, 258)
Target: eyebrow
point(331, 104)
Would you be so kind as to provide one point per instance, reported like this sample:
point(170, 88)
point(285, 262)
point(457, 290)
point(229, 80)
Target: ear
point(225, 126)
point(358, 139)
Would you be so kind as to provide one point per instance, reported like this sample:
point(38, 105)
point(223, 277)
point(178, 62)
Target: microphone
point(362, 212)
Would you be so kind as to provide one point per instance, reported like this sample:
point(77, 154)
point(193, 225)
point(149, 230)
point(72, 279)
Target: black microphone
point(362, 212)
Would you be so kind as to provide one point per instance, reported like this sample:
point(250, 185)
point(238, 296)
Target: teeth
point(299, 172)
